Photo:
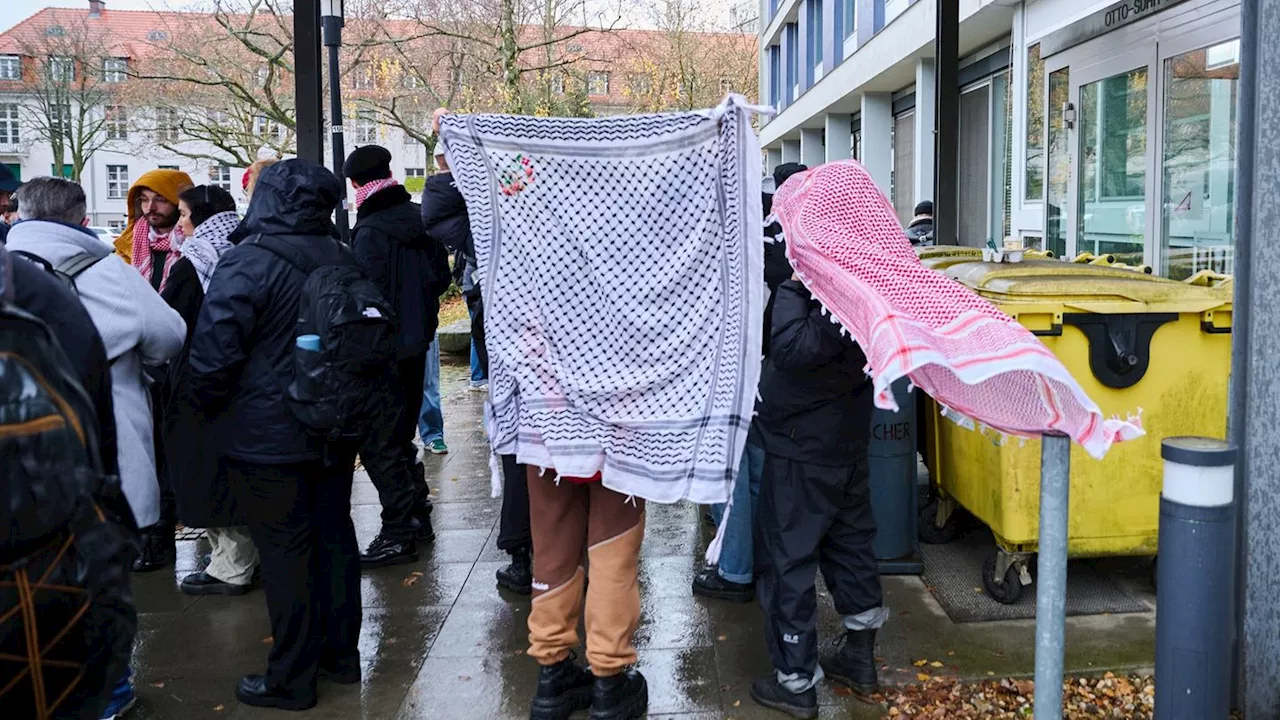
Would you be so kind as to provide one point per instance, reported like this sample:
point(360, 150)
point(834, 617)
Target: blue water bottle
point(309, 342)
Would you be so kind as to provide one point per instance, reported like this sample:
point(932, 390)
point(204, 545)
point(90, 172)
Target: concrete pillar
point(806, 64)
point(789, 70)
point(833, 48)
point(790, 151)
point(811, 152)
point(839, 137)
point(773, 158)
point(1254, 423)
point(877, 129)
point(924, 131)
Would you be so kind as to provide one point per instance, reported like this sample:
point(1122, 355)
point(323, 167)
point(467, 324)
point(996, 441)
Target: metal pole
point(1051, 577)
point(946, 196)
point(333, 41)
point(1197, 543)
point(307, 81)
point(1255, 425)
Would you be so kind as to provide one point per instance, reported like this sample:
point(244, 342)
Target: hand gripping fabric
point(621, 267)
point(847, 246)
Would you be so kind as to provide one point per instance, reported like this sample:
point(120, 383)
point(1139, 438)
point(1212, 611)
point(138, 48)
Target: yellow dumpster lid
point(1088, 288)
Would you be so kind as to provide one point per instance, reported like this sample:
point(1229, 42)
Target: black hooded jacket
point(444, 214)
point(242, 349)
point(815, 397)
point(409, 266)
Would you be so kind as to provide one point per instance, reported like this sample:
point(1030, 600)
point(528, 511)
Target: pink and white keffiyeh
point(847, 246)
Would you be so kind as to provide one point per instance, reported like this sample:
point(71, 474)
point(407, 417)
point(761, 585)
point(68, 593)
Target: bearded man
point(151, 240)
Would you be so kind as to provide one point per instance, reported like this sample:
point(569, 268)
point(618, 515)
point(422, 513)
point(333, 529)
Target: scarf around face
point(621, 267)
point(209, 243)
point(364, 191)
point(169, 183)
point(144, 245)
point(847, 246)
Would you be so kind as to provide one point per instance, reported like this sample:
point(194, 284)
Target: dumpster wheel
point(929, 529)
point(1008, 589)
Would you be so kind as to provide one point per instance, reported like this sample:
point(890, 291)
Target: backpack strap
point(299, 260)
point(73, 266)
point(6, 277)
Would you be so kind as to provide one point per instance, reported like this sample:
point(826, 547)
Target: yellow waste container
point(1133, 342)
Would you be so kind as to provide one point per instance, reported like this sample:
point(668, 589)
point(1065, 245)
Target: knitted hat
point(784, 171)
point(368, 163)
point(924, 207)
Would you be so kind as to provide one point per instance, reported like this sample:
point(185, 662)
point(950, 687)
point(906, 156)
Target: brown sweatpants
point(565, 518)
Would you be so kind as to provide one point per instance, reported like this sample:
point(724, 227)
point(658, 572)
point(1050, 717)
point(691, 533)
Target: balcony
point(17, 149)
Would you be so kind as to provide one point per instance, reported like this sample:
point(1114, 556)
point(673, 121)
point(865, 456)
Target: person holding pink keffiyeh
point(151, 240)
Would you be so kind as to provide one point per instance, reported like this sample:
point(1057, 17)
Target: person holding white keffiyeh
point(203, 497)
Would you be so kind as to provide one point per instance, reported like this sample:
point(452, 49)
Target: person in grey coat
point(138, 328)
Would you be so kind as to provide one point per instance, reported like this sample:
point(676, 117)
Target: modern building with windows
point(1084, 125)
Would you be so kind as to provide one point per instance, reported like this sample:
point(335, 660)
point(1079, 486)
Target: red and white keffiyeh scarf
point(144, 245)
point(847, 246)
point(364, 191)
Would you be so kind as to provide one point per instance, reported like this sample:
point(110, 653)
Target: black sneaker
point(563, 688)
point(518, 576)
point(769, 693)
point(624, 696)
point(202, 583)
point(708, 583)
point(426, 533)
point(253, 690)
point(384, 551)
point(853, 662)
point(158, 550)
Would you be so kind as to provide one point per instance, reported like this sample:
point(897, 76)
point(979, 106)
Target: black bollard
point(1194, 585)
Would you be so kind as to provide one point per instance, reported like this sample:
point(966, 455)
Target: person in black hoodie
point(813, 422)
point(444, 212)
point(298, 506)
point(412, 270)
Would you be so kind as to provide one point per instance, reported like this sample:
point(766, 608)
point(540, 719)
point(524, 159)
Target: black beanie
point(924, 207)
point(784, 171)
point(368, 163)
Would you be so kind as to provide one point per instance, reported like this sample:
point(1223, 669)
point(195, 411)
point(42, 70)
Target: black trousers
point(300, 518)
point(513, 526)
point(475, 305)
point(388, 453)
point(810, 517)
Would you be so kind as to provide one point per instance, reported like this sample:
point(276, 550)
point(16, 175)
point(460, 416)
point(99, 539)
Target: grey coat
point(138, 328)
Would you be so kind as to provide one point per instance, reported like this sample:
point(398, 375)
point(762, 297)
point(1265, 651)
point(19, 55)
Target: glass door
point(1198, 160)
point(1113, 158)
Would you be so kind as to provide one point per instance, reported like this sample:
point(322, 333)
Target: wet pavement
point(440, 641)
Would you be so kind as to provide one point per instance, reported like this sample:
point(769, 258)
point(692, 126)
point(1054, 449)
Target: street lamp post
point(331, 21)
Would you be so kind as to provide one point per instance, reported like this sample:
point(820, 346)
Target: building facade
point(1084, 125)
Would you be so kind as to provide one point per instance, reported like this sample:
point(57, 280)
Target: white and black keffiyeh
point(622, 275)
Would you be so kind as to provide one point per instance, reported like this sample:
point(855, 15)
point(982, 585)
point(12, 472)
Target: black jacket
point(815, 398)
point(242, 350)
point(410, 267)
point(777, 268)
point(920, 231)
point(444, 214)
point(37, 292)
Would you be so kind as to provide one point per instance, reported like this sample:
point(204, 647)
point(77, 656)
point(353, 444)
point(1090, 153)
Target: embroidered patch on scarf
point(845, 242)
point(622, 273)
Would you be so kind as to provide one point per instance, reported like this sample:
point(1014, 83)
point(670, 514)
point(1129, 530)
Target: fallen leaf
point(157, 685)
point(921, 663)
point(219, 708)
point(722, 638)
point(922, 676)
point(464, 678)
point(935, 664)
point(268, 640)
point(737, 703)
point(842, 690)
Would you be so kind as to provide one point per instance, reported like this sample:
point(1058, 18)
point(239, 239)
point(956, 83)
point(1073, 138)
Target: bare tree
point(71, 79)
point(225, 77)
point(690, 61)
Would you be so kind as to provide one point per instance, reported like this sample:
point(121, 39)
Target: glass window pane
point(1113, 167)
point(973, 160)
point(1197, 228)
point(1034, 187)
point(1058, 166)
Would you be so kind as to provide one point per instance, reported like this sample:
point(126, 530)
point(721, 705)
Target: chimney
point(96, 7)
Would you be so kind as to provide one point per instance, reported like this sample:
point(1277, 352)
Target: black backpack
point(336, 392)
point(67, 619)
point(67, 271)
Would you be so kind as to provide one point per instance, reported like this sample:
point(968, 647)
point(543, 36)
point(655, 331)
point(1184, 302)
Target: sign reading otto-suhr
point(1102, 22)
